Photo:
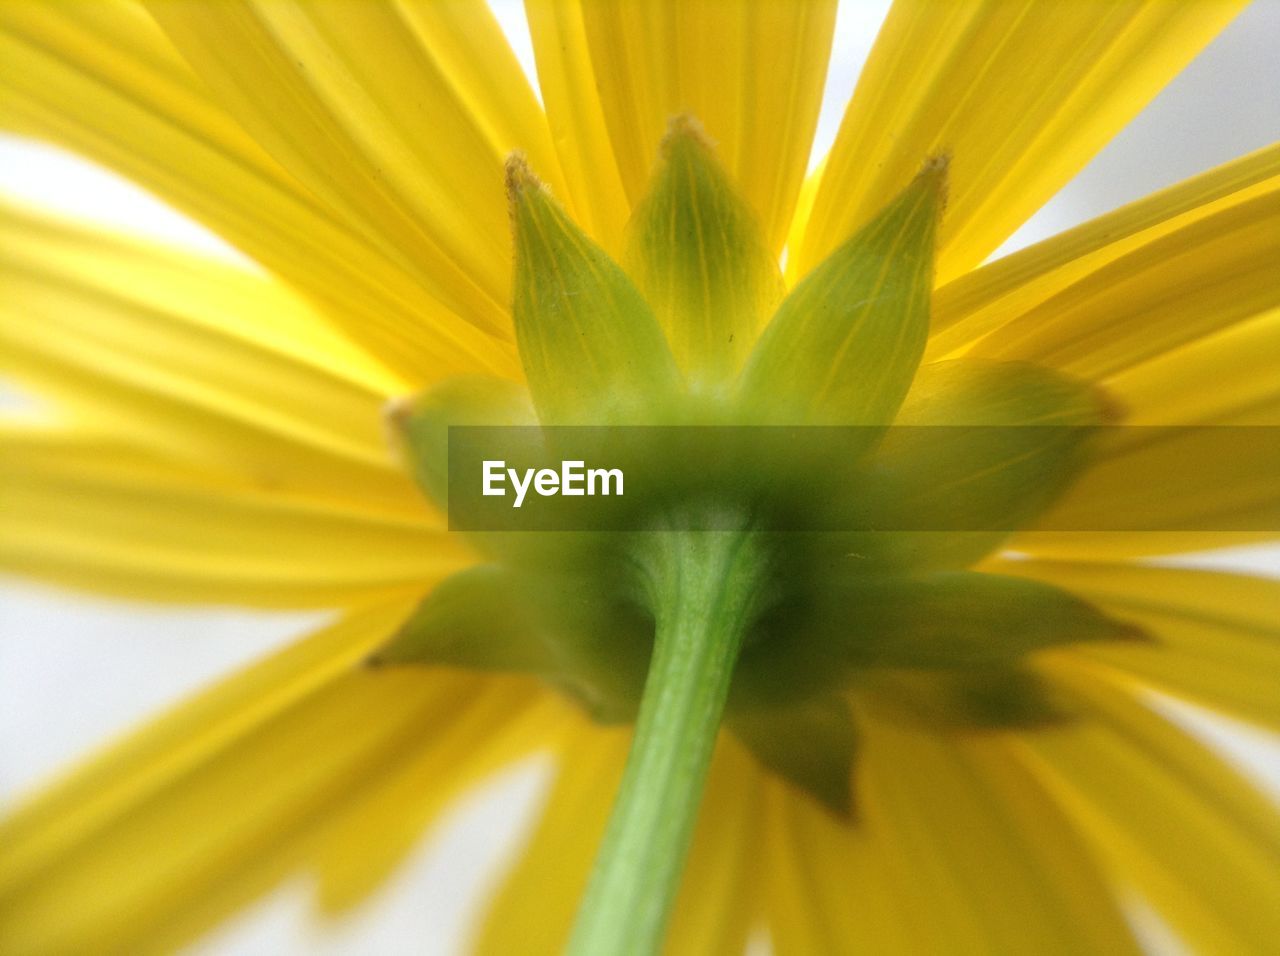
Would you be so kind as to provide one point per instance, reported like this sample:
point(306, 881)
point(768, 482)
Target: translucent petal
point(1165, 814)
point(1214, 638)
point(500, 722)
point(818, 864)
point(322, 87)
point(198, 360)
point(566, 77)
point(992, 864)
point(157, 839)
point(97, 514)
point(1021, 94)
point(102, 80)
point(1206, 276)
point(533, 910)
point(985, 299)
point(1228, 378)
point(1210, 484)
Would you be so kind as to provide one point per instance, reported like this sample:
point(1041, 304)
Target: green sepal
point(984, 392)
point(599, 645)
point(592, 351)
point(474, 619)
point(789, 658)
point(953, 477)
point(591, 646)
point(422, 423)
point(698, 255)
point(847, 628)
point(843, 346)
point(959, 620)
point(811, 744)
point(991, 698)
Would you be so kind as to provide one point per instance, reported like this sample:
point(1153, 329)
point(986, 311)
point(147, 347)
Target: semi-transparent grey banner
point(865, 479)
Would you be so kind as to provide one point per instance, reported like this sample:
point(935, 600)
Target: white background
point(75, 671)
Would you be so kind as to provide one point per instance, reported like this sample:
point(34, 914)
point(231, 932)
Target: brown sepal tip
point(396, 413)
point(1132, 633)
point(519, 177)
point(684, 128)
point(1111, 409)
point(397, 409)
point(936, 170)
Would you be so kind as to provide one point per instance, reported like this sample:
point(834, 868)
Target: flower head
point(936, 690)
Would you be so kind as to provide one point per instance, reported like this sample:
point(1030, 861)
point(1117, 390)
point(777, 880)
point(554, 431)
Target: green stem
point(703, 588)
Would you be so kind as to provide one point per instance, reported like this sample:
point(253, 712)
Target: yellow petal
point(1167, 816)
point(1215, 638)
point(499, 722)
point(1181, 330)
point(991, 863)
point(101, 79)
point(1208, 484)
point(1168, 305)
point(976, 303)
point(140, 765)
point(1022, 94)
point(753, 74)
point(199, 360)
point(81, 820)
point(800, 220)
point(356, 101)
point(827, 882)
point(224, 297)
point(568, 83)
point(1114, 545)
point(1198, 279)
point(94, 513)
point(201, 811)
point(1228, 378)
point(717, 904)
point(534, 909)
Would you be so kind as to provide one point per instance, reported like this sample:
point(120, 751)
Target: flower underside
point(694, 327)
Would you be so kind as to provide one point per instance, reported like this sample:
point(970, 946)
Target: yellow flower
point(223, 440)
